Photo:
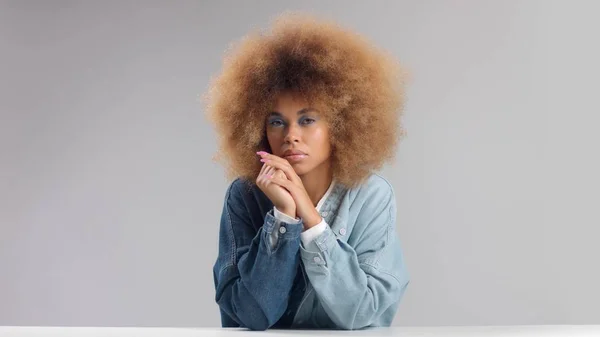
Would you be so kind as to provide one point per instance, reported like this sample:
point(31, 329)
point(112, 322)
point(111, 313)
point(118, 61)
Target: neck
point(317, 181)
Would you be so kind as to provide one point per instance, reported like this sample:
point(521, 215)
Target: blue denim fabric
point(352, 276)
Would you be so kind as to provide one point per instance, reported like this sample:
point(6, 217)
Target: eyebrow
point(299, 112)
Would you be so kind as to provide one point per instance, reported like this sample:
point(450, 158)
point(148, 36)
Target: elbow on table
point(258, 326)
point(257, 321)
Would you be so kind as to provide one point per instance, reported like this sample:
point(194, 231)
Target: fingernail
point(263, 160)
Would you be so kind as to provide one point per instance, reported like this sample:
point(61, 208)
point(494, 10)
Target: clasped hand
point(278, 180)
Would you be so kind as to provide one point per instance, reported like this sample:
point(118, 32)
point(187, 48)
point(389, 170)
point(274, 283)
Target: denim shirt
point(351, 276)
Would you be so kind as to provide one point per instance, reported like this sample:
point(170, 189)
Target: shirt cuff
point(281, 217)
point(284, 217)
point(310, 234)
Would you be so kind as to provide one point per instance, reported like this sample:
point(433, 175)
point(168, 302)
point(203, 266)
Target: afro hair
point(358, 87)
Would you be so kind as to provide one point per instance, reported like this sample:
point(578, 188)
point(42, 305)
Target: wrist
point(291, 212)
point(312, 221)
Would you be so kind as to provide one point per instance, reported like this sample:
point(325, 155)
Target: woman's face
point(294, 126)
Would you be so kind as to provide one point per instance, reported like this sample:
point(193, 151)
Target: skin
point(295, 125)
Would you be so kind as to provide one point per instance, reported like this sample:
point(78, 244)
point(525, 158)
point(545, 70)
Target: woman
point(305, 114)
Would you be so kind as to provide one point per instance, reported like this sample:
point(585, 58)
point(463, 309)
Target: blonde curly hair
point(357, 87)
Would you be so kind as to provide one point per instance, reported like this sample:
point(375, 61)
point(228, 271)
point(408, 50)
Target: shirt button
point(282, 230)
point(317, 259)
point(342, 231)
point(324, 213)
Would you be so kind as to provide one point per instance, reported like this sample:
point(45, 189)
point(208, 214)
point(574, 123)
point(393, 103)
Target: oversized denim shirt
point(352, 275)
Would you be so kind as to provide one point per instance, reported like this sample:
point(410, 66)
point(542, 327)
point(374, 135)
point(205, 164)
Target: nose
point(293, 134)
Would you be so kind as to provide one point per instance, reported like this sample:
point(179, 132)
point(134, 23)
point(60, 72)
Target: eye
point(308, 120)
point(275, 122)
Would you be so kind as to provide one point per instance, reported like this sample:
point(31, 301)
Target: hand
point(293, 184)
point(278, 195)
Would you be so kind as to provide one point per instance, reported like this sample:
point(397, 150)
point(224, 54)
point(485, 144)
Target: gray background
point(110, 205)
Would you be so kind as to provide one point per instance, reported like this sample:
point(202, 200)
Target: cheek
point(274, 140)
point(320, 140)
point(274, 136)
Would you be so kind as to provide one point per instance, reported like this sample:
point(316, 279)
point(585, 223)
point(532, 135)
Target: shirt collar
point(320, 203)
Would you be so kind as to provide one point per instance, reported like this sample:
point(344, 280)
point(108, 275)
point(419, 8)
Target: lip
point(295, 157)
point(290, 152)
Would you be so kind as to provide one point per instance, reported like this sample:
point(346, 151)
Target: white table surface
point(443, 331)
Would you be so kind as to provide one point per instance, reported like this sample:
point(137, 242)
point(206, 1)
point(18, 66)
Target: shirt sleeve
point(359, 284)
point(281, 217)
point(310, 234)
point(253, 281)
point(306, 236)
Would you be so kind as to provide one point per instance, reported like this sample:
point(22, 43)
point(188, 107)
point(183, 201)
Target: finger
point(263, 168)
point(268, 173)
point(259, 176)
point(263, 154)
point(262, 178)
point(280, 174)
point(286, 168)
point(279, 163)
point(272, 157)
point(285, 183)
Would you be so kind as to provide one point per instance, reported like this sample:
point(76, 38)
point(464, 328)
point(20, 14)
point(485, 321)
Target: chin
point(300, 168)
